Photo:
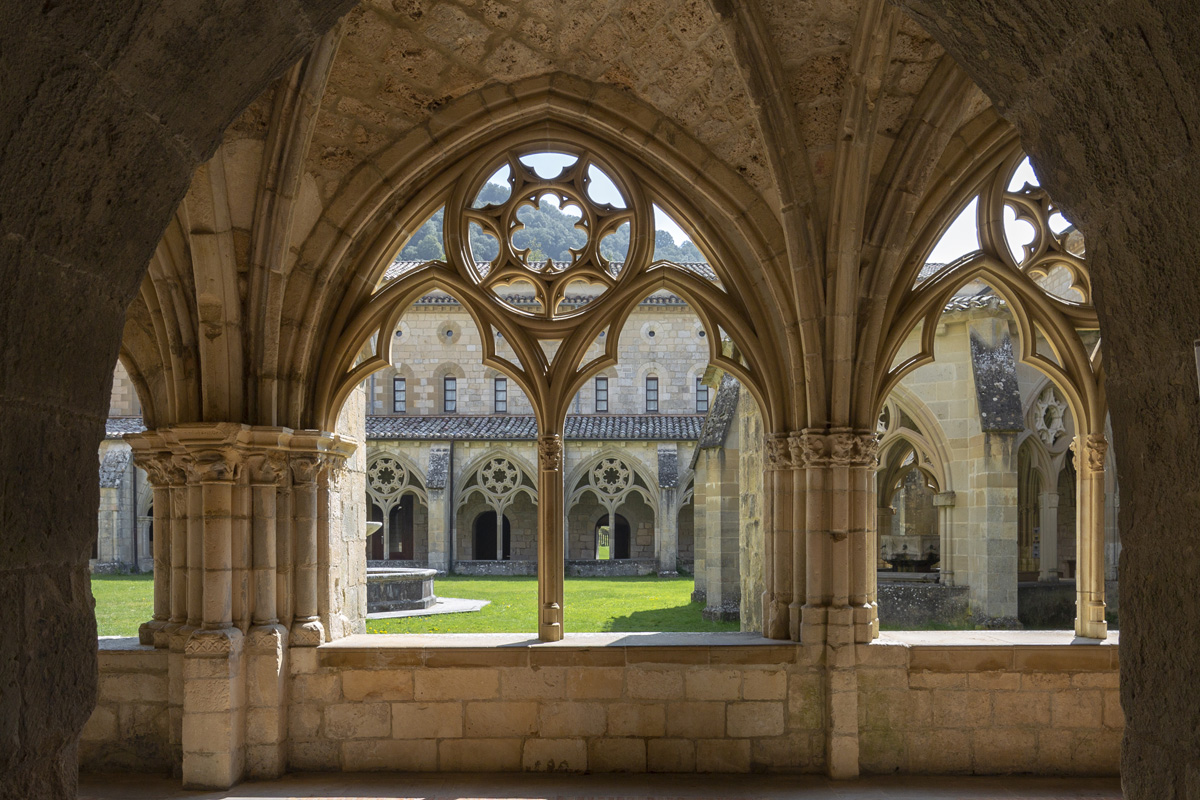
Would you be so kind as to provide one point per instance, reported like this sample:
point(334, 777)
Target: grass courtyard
point(123, 602)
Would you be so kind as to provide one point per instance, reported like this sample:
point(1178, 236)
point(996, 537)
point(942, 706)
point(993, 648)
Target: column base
point(1091, 622)
point(726, 612)
point(813, 623)
point(866, 623)
point(148, 633)
point(839, 630)
point(795, 612)
point(776, 623)
point(307, 633)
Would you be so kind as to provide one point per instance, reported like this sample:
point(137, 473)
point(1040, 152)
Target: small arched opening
point(488, 546)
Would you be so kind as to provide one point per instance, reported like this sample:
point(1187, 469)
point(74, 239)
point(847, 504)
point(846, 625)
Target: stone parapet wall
point(928, 702)
point(978, 708)
point(379, 705)
point(129, 728)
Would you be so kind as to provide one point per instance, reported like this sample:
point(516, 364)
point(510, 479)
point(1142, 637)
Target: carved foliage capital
point(550, 451)
point(306, 468)
point(1095, 449)
point(778, 454)
point(266, 467)
point(815, 448)
point(214, 466)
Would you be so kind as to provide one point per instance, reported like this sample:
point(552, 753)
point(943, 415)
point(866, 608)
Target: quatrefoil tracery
point(512, 267)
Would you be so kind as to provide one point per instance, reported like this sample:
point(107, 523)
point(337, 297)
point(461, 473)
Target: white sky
point(960, 238)
point(601, 189)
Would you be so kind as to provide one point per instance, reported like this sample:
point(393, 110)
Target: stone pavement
point(328, 786)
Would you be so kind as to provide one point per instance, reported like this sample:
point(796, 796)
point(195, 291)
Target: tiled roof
point(648, 427)
point(116, 427)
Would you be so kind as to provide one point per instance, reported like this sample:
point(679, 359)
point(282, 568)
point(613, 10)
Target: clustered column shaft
point(551, 566)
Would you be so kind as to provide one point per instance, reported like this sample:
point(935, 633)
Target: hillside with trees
point(548, 233)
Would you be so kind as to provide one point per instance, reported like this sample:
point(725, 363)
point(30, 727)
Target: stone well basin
point(390, 589)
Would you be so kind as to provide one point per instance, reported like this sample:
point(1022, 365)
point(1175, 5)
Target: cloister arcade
point(816, 157)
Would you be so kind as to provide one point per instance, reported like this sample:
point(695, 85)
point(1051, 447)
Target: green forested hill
point(548, 233)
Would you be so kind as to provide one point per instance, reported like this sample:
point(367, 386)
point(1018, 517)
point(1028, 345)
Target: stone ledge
point(1021, 651)
point(941, 651)
point(578, 649)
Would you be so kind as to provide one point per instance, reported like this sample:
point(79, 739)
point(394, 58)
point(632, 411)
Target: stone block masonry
point(926, 703)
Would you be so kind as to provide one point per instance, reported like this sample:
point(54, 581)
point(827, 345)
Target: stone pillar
point(699, 505)
point(213, 667)
point(666, 518)
point(721, 533)
point(993, 548)
point(944, 503)
point(551, 566)
point(840, 531)
point(439, 527)
point(1089, 577)
point(1048, 525)
point(666, 533)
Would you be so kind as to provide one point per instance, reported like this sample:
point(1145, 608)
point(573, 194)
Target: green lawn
point(123, 602)
point(592, 604)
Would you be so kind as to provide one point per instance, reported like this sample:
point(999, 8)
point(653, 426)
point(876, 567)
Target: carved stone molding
point(550, 451)
point(219, 643)
point(266, 639)
point(815, 448)
point(310, 633)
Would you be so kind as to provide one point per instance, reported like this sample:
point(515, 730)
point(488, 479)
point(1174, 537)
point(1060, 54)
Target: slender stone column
point(1048, 523)
point(267, 640)
point(944, 503)
point(779, 538)
point(307, 630)
point(551, 566)
point(1089, 577)
point(179, 545)
point(157, 469)
point(285, 549)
